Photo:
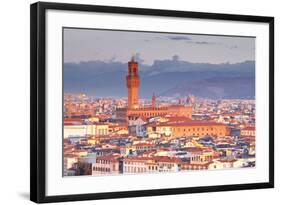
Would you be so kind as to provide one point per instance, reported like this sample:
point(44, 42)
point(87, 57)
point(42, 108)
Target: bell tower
point(133, 82)
point(153, 101)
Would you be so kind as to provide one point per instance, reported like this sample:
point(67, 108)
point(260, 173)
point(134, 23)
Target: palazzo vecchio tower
point(135, 110)
point(133, 83)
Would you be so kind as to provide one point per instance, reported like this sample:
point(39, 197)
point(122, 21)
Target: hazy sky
point(104, 45)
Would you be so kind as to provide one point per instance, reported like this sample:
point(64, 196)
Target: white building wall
point(79, 130)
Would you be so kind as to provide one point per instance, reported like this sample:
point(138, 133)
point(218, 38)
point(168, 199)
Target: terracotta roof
point(178, 118)
point(193, 149)
point(73, 119)
point(249, 128)
point(111, 158)
point(137, 159)
point(232, 160)
point(167, 159)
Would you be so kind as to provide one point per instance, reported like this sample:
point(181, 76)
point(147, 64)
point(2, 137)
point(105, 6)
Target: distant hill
point(164, 77)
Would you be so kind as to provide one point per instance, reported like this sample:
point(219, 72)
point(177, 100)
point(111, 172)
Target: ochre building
point(190, 128)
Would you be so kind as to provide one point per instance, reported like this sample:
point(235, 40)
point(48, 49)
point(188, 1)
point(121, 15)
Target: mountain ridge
point(165, 77)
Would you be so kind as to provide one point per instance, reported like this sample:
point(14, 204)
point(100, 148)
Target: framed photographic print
point(129, 102)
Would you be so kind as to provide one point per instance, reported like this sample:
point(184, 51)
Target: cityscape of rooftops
point(151, 114)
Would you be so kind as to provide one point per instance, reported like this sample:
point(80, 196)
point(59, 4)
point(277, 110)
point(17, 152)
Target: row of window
point(134, 163)
point(135, 169)
point(145, 148)
point(203, 134)
point(143, 169)
point(248, 132)
point(101, 161)
point(198, 158)
point(189, 130)
point(195, 129)
point(101, 169)
point(194, 167)
point(146, 114)
point(102, 131)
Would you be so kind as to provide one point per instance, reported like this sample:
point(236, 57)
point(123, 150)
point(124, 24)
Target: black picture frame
point(38, 100)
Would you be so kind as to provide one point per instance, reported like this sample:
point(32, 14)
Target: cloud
point(175, 58)
point(233, 47)
point(179, 38)
point(204, 43)
point(139, 58)
point(113, 58)
point(153, 39)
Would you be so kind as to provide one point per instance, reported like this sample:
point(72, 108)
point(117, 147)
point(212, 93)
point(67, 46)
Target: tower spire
point(153, 100)
point(133, 57)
